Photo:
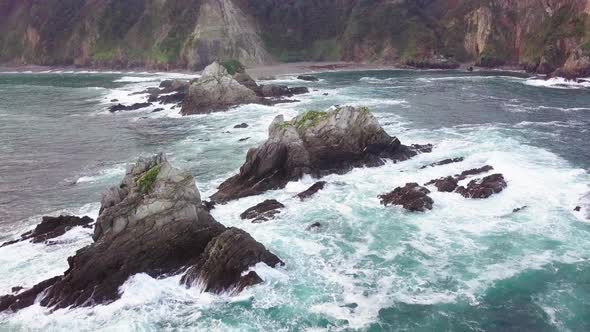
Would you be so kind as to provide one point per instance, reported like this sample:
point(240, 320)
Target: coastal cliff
point(539, 35)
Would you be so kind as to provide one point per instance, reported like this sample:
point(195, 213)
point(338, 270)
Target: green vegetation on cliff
point(158, 33)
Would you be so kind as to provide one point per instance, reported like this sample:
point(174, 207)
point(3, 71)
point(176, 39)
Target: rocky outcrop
point(154, 222)
point(411, 197)
point(274, 91)
point(225, 262)
point(216, 90)
point(134, 107)
point(577, 65)
point(169, 92)
point(446, 184)
point(479, 188)
point(315, 143)
point(483, 188)
point(308, 78)
point(263, 211)
point(311, 190)
point(52, 227)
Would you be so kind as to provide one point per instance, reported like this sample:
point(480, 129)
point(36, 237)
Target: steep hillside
point(538, 34)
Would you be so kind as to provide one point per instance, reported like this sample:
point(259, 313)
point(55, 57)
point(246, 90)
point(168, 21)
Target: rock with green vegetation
point(316, 143)
point(233, 67)
point(154, 222)
point(216, 90)
point(191, 34)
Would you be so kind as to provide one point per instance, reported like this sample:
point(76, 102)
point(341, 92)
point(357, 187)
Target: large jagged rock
point(52, 227)
point(315, 143)
point(154, 222)
point(226, 258)
point(216, 90)
point(411, 196)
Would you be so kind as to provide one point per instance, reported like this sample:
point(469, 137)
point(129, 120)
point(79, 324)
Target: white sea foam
point(558, 83)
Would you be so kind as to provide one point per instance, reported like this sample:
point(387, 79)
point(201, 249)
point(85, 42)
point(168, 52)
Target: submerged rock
point(311, 190)
point(483, 188)
point(52, 227)
point(241, 125)
point(309, 78)
point(153, 223)
point(315, 143)
point(263, 211)
point(473, 171)
point(314, 226)
point(444, 162)
point(134, 107)
point(411, 197)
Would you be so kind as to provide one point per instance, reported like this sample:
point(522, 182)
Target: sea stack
point(154, 222)
point(315, 143)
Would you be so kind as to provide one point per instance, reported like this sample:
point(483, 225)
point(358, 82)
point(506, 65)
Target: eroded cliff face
point(538, 34)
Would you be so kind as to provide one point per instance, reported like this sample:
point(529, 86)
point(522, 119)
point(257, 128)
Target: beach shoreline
point(257, 72)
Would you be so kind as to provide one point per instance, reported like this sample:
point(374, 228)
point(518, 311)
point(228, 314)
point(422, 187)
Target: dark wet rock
point(263, 211)
point(16, 289)
point(157, 110)
point(155, 223)
point(244, 139)
point(411, 197)
point(225, 259)
point(298, 90)
point(241, 125)
point(308, 78)
point(208, 205)
point(325, 94)
point(247, 81)
point(173, 98)
point(483, 188)
point(315, 143)
point(444, 162)
point(519, 209)
point(446, 184)
point(312, 190)
point(314, 226)
point(27, 297)
point(52, 227)
point(274, 91)
point(114, 100)
point(474, 171)
point(578, 208)
point(121, 107)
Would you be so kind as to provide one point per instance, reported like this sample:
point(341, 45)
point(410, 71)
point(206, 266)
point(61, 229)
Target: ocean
point(467, 265)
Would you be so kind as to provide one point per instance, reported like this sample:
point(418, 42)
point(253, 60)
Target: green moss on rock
point(147, 180)
point(233, 66)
